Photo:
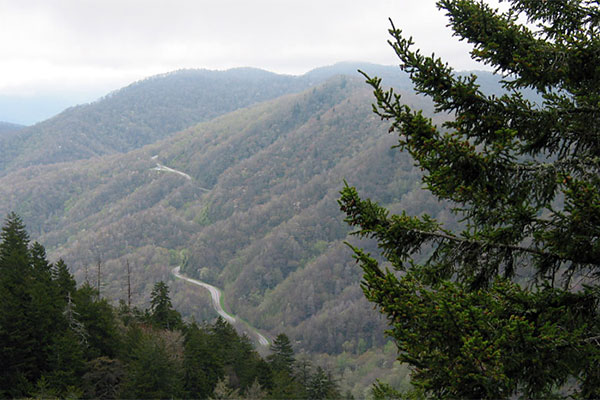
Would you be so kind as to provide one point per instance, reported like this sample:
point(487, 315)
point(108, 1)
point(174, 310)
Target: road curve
point(215, 295)
point(160, 167)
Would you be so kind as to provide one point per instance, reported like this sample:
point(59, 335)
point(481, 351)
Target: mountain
point(29, 109)
point(246, 201)
point(155, 108)
point(257, 216)
point(141, 113)
point(8, 127)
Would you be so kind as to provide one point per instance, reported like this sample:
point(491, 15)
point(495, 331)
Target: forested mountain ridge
point(153, 109)
point(60, 341)
point(141, 113)
point(156, 107)
point(258, 216)
point(9, 128)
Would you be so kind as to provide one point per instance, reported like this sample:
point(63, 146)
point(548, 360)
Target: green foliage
point(507, 304)
point(270, 235)
point(202, 367)
point(282, 357)
point(98, 318)
point(322, 386)
point(255, 391)
point(23, 305)
point(57, 340)
point(103, 378)
point(63, 278)
point(162, 313)
point(223, 391)
point(141, 113)
point(382, 391)
point(152, 371)
point(256, 217)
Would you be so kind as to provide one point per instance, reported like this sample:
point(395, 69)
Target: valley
point(215, 295)
point(245, 201)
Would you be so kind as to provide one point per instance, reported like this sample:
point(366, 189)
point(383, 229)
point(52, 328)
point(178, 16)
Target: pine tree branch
point(481, 243)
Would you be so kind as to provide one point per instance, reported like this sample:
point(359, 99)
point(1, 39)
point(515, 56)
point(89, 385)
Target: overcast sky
point(102, 45)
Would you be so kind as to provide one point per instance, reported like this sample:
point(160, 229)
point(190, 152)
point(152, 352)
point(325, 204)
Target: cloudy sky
point(95, 46)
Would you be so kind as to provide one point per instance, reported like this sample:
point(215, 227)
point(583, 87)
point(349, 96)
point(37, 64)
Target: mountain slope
point(157, 107)
point(141, 113)
point(258, 216)
point(253, 211)
point(7, 129)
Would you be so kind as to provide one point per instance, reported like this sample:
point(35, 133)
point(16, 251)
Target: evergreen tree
point(103, 378)
point(224, 392)
point(223, 339)
point(99, 320)
point(14, 240)
point(67, 362)
point(162, 313)
point(40, 265)
point(19, 348)
point(64, 280)
point(36, 345)
point(152, 372)
point(255, 392)
point(322, 386)
point(524, 178)
point(282, 357)
point(202, 368)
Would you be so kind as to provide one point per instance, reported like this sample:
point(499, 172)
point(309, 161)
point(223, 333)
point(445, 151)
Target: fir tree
point(322, 386)
point(524, 178)
point(202, 368)
point(37, 345)
point(152, 373)
point(162, 313)
point(103, 378)
point(64, 280)
point(282, 357)
point(19, 357)
point(224, 392)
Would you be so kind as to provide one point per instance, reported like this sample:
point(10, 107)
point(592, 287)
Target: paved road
point(160, 167)
point(215, 295)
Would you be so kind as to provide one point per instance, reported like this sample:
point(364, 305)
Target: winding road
point(160, 167)
point(215, 295)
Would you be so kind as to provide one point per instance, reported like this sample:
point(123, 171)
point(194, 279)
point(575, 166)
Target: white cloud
point(109, 43)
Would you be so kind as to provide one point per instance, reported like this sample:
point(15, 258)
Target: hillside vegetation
point(7, 128)
point(59, 341)
point(141, 113)
point(256, 215)
point(154, 109)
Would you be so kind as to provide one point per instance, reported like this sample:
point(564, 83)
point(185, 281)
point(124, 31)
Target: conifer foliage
point(61, 341)
point(507, 305)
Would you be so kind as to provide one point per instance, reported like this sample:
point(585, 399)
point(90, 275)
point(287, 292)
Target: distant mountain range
point(7, 127)
point(234, 176)
point(150, 110)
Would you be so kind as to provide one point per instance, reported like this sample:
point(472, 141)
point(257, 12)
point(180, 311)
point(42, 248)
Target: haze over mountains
point(8, 127)
point(150, 110)
point(265, 156)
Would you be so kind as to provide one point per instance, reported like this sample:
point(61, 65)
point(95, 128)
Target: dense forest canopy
point(58, 340)
point(245, 201)
point(507, 305)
